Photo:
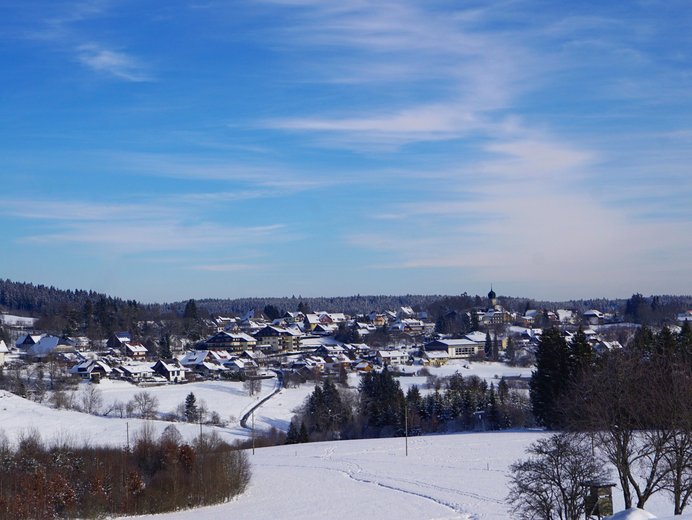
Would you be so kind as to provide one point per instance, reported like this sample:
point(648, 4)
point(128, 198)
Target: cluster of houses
point(306, 342)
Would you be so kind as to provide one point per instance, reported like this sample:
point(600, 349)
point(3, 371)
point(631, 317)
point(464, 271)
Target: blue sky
point(172, 150)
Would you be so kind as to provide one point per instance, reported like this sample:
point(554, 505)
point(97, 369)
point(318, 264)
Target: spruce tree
point(550, 379)
point(493, 412)
point(581, 353)
point(165, 347)
point(191, 408)
point(292, 434)
point(303, 434)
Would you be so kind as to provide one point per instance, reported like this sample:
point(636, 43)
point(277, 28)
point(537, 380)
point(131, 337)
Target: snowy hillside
point(444, 477)
point(460, 476)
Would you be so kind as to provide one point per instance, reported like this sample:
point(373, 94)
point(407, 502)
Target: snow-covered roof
point(86, 367)
point(43, 347)
point(390, 353)
point(462, 342)
point(170, 365)
point(565, 315)
point(136, 348)
point(137, 369)
point(194, 357)
point(477, 336)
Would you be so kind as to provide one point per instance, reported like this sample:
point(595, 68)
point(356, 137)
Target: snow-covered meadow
point(457, 476)
point(444, 477)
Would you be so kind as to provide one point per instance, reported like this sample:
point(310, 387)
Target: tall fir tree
point(488, 345)
point(191, 411)
point(165, 347)
point(581, 353)
point(551, 378)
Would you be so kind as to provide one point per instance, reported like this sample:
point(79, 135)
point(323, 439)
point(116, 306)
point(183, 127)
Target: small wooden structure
point(598, 501)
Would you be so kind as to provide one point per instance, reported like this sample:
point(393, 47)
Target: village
point(307, 346)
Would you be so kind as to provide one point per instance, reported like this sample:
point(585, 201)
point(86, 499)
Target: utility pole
point(253, 432)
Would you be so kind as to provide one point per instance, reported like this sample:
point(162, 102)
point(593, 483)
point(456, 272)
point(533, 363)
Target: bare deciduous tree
point(549, 485)
point(252, 386)
point(637, 408)
point(145, 404)
point(91, 399)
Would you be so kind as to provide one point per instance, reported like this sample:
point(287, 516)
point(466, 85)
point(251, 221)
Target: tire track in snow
point(456, 508)
point(468, 494)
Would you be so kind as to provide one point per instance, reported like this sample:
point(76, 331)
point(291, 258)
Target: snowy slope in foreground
point(444, 477)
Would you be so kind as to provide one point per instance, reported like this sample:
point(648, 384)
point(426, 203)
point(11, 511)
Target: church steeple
point(492, 297)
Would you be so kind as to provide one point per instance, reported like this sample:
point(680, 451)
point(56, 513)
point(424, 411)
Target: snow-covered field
point(491, 371)
point(459, 476)
point(444, 477)
point(229, 399)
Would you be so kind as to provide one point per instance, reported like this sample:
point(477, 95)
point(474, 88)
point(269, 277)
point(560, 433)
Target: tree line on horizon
point(80, 312)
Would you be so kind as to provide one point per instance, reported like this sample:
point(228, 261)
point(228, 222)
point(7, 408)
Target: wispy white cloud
point(225, 268)
point(469, 73)
point(115, 63)
point(62, 27)
point(422, 123)
point(146, 236)
point(268, 179)
point(51, 210)
point(149, 226)
point(530, 221)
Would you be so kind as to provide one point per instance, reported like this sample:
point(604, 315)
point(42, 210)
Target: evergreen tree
point(190, 312)
point(643, 340)
point(492, 410)
point(271, 312)
point(441, 325)
point(325, 411)
point(292, 434)
point(665, 343)
point(191, 410)
point(684, 341)
point(581, 353)
point(550, 379)
point(474, 321)
point(413, 397)
point(382, 401)
point(496, 348)
point(488, 345)
point(303, 434)
point(165, 347)
point(502, 391)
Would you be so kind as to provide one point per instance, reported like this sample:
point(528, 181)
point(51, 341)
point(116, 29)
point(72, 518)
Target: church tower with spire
point(492, 297)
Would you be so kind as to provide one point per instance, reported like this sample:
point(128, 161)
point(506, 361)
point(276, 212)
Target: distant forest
point(100, 313)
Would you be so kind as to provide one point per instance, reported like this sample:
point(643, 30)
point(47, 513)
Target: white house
point(135, 372)
point(456, 348)
point(391, 357)
point(172, 370)
point(3, 350)
point(91, 369)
